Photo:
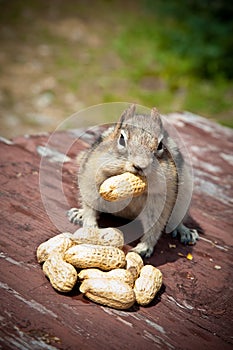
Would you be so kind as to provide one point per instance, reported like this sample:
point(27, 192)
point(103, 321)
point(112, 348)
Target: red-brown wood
point(193, 309)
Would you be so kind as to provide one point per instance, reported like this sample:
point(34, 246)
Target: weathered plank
point(195, 304)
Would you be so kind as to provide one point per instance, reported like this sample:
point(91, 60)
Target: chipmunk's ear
point(155, 113)
point(157, 118)
point(127, 114)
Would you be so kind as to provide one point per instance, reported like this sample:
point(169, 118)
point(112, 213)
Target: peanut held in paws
point(122, 186)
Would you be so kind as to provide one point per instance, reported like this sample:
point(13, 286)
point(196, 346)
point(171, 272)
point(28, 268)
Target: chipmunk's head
point(139, 139)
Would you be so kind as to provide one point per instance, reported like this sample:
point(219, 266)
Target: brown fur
point(134, 145)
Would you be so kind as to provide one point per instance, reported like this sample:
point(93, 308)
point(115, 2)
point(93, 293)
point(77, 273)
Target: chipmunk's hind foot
point(187, 235)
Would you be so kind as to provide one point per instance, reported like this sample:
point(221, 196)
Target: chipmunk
point(138, 144)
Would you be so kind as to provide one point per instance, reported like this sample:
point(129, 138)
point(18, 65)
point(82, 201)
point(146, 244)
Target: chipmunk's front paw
point(144, 249)
point(75, 216)
point(187, 235)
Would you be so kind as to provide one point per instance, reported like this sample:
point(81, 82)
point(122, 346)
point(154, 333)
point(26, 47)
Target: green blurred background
point(58, 57)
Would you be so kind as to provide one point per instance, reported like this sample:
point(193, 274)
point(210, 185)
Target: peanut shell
point(122, 186)
point(89, 255)
point(59, 243)
point(119, 274)
point(134, 264)
point(61, 274)
point(109, 292)
point(147, 285)
point(101, 236)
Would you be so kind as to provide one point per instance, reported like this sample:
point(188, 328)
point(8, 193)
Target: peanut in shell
point(89, 255)
point(59, 243)
point(62, 275)
point(134, 264)
point(118, 274)
point(101, 236)
point(147, 285)
point(122, 186)
point(109, 292)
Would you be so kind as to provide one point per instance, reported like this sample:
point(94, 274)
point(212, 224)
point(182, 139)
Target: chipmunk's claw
point(143, 249)
point(75, 216)
point(187, 235)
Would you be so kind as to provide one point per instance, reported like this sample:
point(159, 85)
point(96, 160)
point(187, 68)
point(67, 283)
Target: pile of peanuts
point(94, 258)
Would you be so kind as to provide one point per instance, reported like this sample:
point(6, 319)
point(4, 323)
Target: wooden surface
point(193, 309)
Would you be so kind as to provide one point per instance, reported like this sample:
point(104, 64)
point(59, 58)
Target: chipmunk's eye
point(122, 140)
point(160, 148)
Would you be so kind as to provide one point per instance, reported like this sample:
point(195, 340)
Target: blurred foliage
point(172, 54)
point(188, 46)
point(197, 30)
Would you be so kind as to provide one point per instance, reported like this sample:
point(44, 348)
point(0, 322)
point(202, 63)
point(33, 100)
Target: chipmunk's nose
point(141, 164)
point(137, 167)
